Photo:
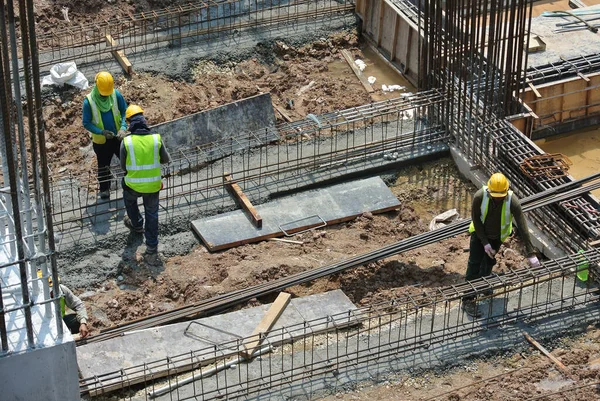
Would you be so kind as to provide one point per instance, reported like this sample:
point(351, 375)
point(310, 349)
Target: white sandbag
point(66, 73)
point(441, 220)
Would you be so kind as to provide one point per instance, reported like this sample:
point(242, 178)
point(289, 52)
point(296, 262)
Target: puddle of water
point(384, 74)
point(581, 146)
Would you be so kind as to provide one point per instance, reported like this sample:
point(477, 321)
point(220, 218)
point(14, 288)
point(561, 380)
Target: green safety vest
point(505, 220)
point(97, 117)
point(143, 163)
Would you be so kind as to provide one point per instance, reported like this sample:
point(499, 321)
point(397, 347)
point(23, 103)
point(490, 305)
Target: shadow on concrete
point(100, 214)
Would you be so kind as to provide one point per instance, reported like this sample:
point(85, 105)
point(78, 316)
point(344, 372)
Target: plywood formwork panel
point(593, 95)
point(388, 27)
point(574, 99)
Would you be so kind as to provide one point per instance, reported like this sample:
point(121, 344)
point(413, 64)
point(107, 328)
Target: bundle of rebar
point(225, 301)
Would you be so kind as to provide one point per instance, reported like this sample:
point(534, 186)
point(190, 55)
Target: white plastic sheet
point(441, 220)
point(66, 73)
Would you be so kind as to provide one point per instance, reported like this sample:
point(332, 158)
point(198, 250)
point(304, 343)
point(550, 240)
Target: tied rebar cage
point(264, 163)
point(195, 21)
point(26, 245)
point(424, 327)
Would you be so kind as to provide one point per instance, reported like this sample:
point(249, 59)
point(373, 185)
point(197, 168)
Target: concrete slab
point(561, 44)
point(298, 212)
point(202, 340)
point(231, 120)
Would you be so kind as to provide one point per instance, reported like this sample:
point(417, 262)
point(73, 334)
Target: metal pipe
point(206, 373)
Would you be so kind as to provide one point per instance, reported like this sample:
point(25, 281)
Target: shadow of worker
point(104, 215)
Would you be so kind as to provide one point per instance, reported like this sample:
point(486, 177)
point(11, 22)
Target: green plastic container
point(582, 267)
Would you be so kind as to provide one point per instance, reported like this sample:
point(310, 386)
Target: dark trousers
point(104, 154)
point(480, 264)
point(130, 197)
point(70, 320)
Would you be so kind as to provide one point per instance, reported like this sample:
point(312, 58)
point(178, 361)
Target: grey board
point(300, 211)
point(207, 338)
point(232, 120)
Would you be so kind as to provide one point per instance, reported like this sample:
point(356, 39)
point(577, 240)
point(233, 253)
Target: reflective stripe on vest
point(143, 163)
point(97, 117)
point(505, 219)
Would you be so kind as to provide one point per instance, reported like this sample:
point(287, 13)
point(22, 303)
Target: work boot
point(470, 308)
point(105, 194)
point(129, 225)
point(151, 251)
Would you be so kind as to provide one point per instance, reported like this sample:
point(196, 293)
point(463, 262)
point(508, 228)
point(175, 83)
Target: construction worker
point(141, 155)
point(104, 116)
point(76, 322)
point(493, 209)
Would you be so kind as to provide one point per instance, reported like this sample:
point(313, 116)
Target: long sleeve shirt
point(75, 304)
point(491, 227)
point(107, 117)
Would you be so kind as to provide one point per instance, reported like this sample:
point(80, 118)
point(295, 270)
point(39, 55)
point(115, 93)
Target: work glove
point(121, 134)
point(108, 134)
point(489, 250)
point(533, 261)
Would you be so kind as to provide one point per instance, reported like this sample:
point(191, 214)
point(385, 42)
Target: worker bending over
point(493, 209)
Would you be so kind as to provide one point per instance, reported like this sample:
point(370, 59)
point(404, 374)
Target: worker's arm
point(164, 154)
point(476, 217)
point(75, 304)
point(122, 108)
point(87, 118)
point(123, 157)
point(517, 212)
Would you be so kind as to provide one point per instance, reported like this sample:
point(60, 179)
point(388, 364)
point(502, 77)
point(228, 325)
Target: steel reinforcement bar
point(416, 322)
point(268, 161)
point(219, 303)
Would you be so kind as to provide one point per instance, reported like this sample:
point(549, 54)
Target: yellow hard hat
point(40, 275)
point(132, 110)
point(105, 83)
point(498, 185)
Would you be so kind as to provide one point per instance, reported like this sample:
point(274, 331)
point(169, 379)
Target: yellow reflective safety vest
point(506, 218)
point(97, 117)
point(143, 162)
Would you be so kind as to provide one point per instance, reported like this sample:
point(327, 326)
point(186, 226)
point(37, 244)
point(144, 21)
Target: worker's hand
point(489, 250)
point(122, 134)
point(108, 134)
point(533, 261)
point(83, 330)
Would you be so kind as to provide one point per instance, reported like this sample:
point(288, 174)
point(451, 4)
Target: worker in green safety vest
point(493, 209)
point(104, 117)
point(76, 322)
point(142, 153)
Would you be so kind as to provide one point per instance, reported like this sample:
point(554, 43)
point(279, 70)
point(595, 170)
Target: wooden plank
point(288, 241)
point(283, 114)
point(242, 200)
point(267, 322)
point(533, 89)
point(119, 55)
point(381, 25)
point(558, 363)
point(350, 60)
point(395, 37)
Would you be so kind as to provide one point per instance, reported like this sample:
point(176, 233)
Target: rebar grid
point(336, 145)
point(194, 21)
point(397, 328)
point(566, 68)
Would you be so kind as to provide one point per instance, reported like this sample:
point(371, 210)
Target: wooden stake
point(539, 346)
point(350, 60)
point(267, 322)
point(242, 200)
point(119, 55)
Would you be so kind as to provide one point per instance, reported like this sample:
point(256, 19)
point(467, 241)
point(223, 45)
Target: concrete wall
point(230, 120)
point(48, 374)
